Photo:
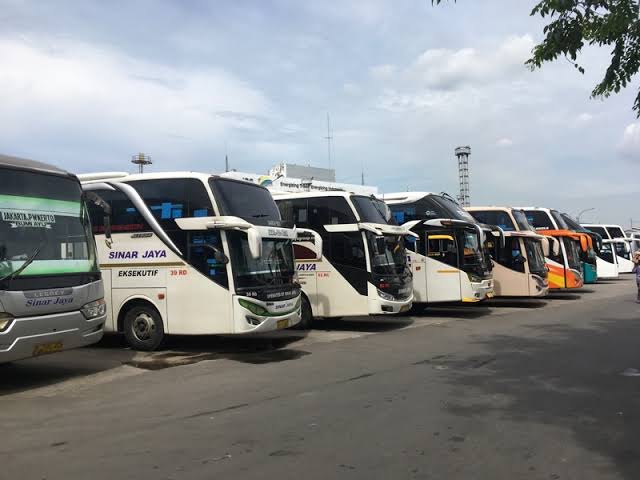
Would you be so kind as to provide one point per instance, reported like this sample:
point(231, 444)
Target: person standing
point(636, 270)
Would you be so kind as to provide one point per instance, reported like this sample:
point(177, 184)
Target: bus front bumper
point(249, 318)
point(27, 337)
point(480, 291)
point(381, 306)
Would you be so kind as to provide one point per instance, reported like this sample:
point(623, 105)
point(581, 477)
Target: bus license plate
point(282, 323)
point(44, 348)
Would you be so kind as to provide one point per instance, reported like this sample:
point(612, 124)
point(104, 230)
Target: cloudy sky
point(86, 84)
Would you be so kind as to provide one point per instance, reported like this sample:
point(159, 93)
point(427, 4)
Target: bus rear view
point(51, 293)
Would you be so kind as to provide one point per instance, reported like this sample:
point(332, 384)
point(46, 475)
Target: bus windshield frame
point(472, 256)
point(44, 221)
point(275, 267)
point(572, 248)
point(535, 257)
point(387, 254)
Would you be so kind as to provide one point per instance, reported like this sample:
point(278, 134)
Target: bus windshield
point(535, 257)
point(560, 223)
point(540, 220)
point(372, 210)
point(387, 254)
point(623, 250)
point(43, 221)
point(474, 261)
point(573, 253)
point(274, 267)
point(495, 217)
point(616, 232)
point(252, 203)
point(521, 220)
point(606, 253)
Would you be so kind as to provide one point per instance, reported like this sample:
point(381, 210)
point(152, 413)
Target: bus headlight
point(385, 296)
point(94, 309)
point(253, 307)
point(474, 278)
point(5, 321)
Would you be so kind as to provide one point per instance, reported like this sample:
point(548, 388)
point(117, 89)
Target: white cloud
point(585, 118)
point(382, 72)
point(504, 142)
point(78, 90)
point(630, 144)
point(444, 68)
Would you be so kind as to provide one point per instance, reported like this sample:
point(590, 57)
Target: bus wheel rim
point(143, 326)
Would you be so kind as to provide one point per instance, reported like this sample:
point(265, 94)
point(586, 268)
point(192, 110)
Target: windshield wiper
point(28, 262)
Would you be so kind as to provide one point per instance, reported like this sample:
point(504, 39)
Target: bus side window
point(202, 258)
point(294, 211)
point(125, 217)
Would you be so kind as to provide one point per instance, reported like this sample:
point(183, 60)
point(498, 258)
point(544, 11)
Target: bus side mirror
point(381, 244)
point(519, 260)
point(255, 242)
point(584, 244)
point(317, 241)
point(218, 254)
point(556, 246)
point(545, 247)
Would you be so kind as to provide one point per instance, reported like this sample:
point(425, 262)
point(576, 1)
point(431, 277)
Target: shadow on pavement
point(59, 367)
point(572, 378)
point(517, 302)
point(364, 324)
point(564, 296)
point(456, 311)
point(112, 352)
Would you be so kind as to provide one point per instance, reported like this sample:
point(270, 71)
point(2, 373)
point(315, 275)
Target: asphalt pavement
point(540, 389)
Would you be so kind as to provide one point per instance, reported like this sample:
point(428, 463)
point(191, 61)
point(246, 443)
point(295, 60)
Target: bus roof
point(34, 166)
point(405, 197)
point(130, 177)
point(493, 209)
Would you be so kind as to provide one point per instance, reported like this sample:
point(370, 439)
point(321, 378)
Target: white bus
point(193, 254)
point(51, 293)
point(449, 258)
point(519, 268)
point(606, 261)
point(351, 261)
point(621, 244)
point(634, 235)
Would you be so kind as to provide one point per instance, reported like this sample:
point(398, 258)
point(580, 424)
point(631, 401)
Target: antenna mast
point(328, 138)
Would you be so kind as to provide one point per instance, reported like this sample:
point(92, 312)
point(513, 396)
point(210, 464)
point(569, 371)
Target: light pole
point(584, 211)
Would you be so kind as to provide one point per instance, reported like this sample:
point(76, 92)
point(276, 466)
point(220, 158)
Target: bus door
point(443, 267)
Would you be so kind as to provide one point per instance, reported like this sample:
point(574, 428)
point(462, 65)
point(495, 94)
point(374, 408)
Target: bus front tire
point(143, 328)
point(306, 315)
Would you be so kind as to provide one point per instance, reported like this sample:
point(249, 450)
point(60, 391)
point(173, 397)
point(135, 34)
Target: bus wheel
point(306, 320)
point(143, 328)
